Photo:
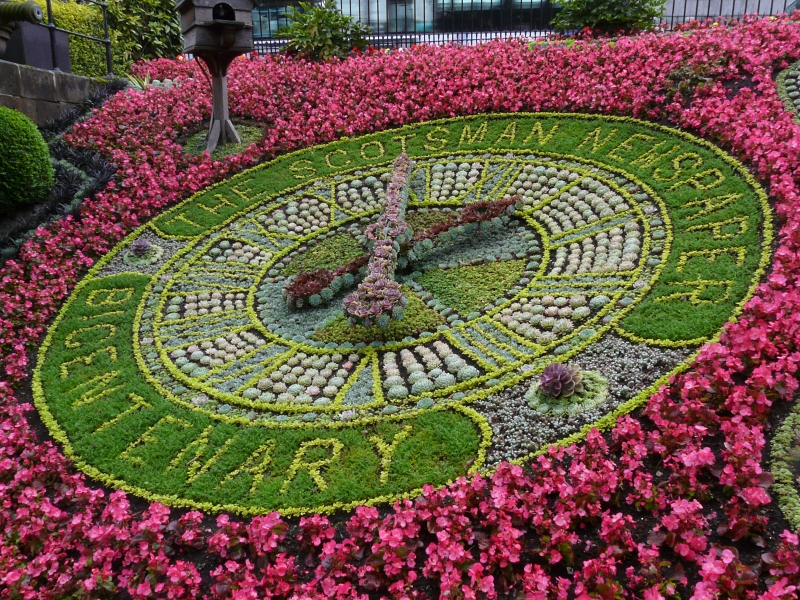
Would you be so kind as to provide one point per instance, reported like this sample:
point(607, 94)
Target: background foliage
point(608, 15)
point(321, 32)
point(88, 58)
point(147, 29)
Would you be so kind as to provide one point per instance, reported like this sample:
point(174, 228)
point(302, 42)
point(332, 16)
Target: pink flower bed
point(674, 502)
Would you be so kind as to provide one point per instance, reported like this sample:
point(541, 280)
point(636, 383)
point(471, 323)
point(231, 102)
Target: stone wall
point(41, 95)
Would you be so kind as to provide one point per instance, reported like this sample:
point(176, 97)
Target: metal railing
point(404, 23)
point(51, 25)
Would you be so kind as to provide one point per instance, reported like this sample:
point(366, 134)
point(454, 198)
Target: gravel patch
point(518, 430)
point(117, 265)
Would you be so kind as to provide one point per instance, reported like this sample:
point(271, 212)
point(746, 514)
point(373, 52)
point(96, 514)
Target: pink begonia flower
point(653, 593)
point(790, 538)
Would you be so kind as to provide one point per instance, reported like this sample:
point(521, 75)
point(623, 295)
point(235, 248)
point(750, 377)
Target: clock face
point(582, 246)
point(626, 246)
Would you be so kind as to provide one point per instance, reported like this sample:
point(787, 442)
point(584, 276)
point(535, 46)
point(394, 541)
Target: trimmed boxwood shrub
point(26, 175)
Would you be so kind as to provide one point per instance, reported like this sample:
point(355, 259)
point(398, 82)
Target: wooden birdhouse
point(216, 33)
point(214, 26)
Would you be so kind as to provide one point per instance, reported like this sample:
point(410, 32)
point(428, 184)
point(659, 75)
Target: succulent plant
point(467, 372)
point(422, 386)
point(397, 392)
point(142, 252)
point(444, 380)
point(140, 247)
point(560, 381)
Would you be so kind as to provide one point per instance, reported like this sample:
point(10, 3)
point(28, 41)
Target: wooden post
point(221, 131)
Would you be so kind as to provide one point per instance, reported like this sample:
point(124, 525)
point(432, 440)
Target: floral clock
point(342, 326)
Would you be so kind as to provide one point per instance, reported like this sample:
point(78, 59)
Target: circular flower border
point(187, 220)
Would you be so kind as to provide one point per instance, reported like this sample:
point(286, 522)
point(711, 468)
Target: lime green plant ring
point(192, 382)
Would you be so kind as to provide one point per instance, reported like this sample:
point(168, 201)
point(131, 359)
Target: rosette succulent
point(560, 381)
point(140, 248)
point(142, 252)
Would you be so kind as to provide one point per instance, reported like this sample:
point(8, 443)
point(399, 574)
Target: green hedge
point(26, 175)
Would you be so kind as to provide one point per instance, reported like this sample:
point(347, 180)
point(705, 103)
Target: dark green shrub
point(321, 31)
point(26, 175)
point(608, 16)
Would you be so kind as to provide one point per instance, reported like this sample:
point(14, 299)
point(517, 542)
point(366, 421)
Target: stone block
point(30, 45)
point(24, 105)
point(9, 79)
point(73, 88)
point(38, 84)
point(49, 111)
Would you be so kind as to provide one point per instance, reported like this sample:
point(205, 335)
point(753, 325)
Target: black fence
point(680, 11)
point(403, 23)
point(106, 41)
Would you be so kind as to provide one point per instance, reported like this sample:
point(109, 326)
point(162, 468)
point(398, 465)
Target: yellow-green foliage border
point(604, 423)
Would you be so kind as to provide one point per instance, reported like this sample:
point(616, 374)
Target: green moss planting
point(330, 253)
point(196, 144)
point(418, 318)
point(470, 288)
